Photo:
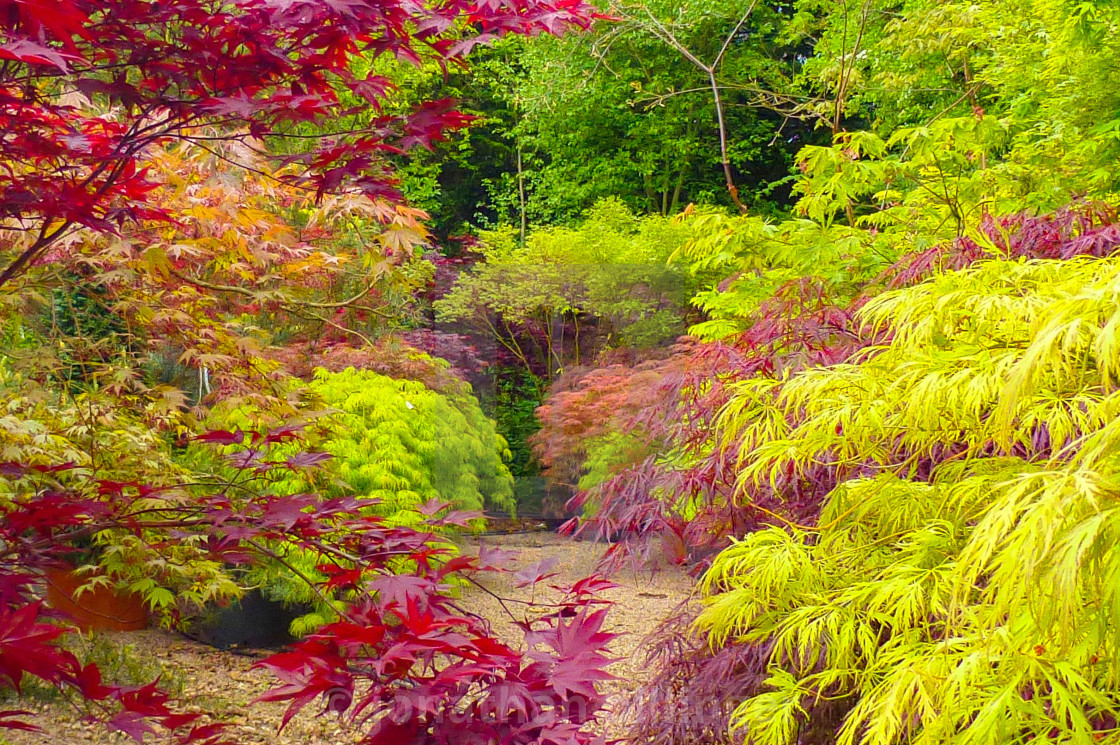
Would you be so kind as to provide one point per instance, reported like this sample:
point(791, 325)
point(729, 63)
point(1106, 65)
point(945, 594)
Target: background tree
point(567, 294)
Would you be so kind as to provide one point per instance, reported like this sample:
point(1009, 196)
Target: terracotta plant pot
point(97, 609)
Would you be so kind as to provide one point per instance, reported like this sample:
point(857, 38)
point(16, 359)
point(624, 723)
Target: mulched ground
point(222, 681)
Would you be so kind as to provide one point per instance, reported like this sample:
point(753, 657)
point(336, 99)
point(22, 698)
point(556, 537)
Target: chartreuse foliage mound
point(398, 444)
point(962, 584)
point(404, 444)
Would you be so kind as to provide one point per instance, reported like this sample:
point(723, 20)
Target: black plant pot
point(254, 622)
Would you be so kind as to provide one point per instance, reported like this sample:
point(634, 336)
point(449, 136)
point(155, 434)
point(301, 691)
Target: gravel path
point(223, 683)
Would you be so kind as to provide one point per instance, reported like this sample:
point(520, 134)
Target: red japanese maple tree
point(405, 661)
point(87, 86)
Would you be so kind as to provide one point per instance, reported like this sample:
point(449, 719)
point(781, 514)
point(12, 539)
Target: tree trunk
point(521, 194)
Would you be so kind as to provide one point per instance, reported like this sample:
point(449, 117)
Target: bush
point(396, 443)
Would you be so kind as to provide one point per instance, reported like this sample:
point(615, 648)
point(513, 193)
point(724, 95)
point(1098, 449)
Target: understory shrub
point(395, 444)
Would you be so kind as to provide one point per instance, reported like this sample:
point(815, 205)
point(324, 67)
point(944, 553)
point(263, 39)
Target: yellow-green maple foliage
point(976, 604)
point(398, 444)
point(119, 431)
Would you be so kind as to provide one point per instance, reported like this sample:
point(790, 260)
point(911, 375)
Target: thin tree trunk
point(521, 194)
point(575, 320)
point(651, 193)
point(732, 189)
point(662, 32)
point(677, 191)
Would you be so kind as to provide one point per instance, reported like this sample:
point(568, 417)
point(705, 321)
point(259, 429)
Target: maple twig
point(499, 598)
point(311, 584)
point(287, 303)
point(329, 322)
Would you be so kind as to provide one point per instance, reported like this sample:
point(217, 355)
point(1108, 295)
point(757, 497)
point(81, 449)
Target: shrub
point(400, 442)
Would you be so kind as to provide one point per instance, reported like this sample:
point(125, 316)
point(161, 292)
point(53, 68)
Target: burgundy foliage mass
point(404, 661)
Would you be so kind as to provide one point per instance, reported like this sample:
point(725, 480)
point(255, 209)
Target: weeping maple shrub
point(403, 660)
point(679, 495)
point(984, 611)
point(395, 443)
point(584, 407)
point(803, 340)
